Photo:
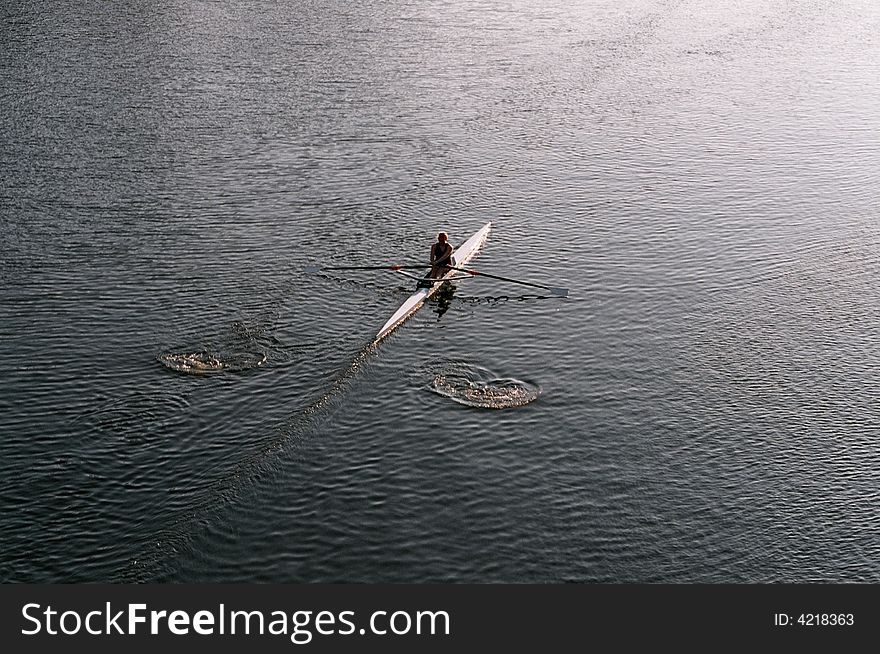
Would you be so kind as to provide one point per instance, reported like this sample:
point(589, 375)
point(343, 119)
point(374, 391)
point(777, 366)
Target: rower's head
point(442, 237)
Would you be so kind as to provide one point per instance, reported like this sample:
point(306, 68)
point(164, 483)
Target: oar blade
point(561, 292)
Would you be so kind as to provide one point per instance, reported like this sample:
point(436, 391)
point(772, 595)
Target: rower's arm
point(441, 260)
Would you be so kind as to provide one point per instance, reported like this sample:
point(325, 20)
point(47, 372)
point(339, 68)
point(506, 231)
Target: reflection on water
point(443, 298)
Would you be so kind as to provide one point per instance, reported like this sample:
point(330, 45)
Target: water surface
point(702, 407)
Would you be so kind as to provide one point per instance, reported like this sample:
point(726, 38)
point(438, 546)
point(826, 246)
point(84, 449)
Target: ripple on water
point(479, 387)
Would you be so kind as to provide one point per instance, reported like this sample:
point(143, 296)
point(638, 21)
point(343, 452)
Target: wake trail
point(155, 562)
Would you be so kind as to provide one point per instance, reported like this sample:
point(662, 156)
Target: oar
point(311, 269)
point(562, 292)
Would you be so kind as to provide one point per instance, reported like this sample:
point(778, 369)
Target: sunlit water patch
point(476, 386)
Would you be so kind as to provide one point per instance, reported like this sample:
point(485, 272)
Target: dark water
point(703, 407)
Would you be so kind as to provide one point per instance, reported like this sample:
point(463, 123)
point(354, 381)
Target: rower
point(442, 260)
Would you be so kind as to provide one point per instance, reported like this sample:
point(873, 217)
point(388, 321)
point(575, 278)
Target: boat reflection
point(443, 297)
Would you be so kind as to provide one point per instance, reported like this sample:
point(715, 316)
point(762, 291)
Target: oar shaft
point(473, 273)
point(387, 267)
point(508, 279)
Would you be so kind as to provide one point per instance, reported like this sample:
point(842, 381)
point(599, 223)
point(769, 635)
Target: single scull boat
point(462, 255)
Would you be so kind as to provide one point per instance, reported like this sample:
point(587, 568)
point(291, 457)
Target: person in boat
point(442, 260)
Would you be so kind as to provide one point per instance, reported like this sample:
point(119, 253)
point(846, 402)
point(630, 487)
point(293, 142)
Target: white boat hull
point(462, 255)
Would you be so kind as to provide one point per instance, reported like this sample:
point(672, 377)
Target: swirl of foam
point(194, 363)
point(479, 387)
point(200, 363)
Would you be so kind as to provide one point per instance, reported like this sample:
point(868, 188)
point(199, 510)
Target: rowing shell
point(462, 255)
